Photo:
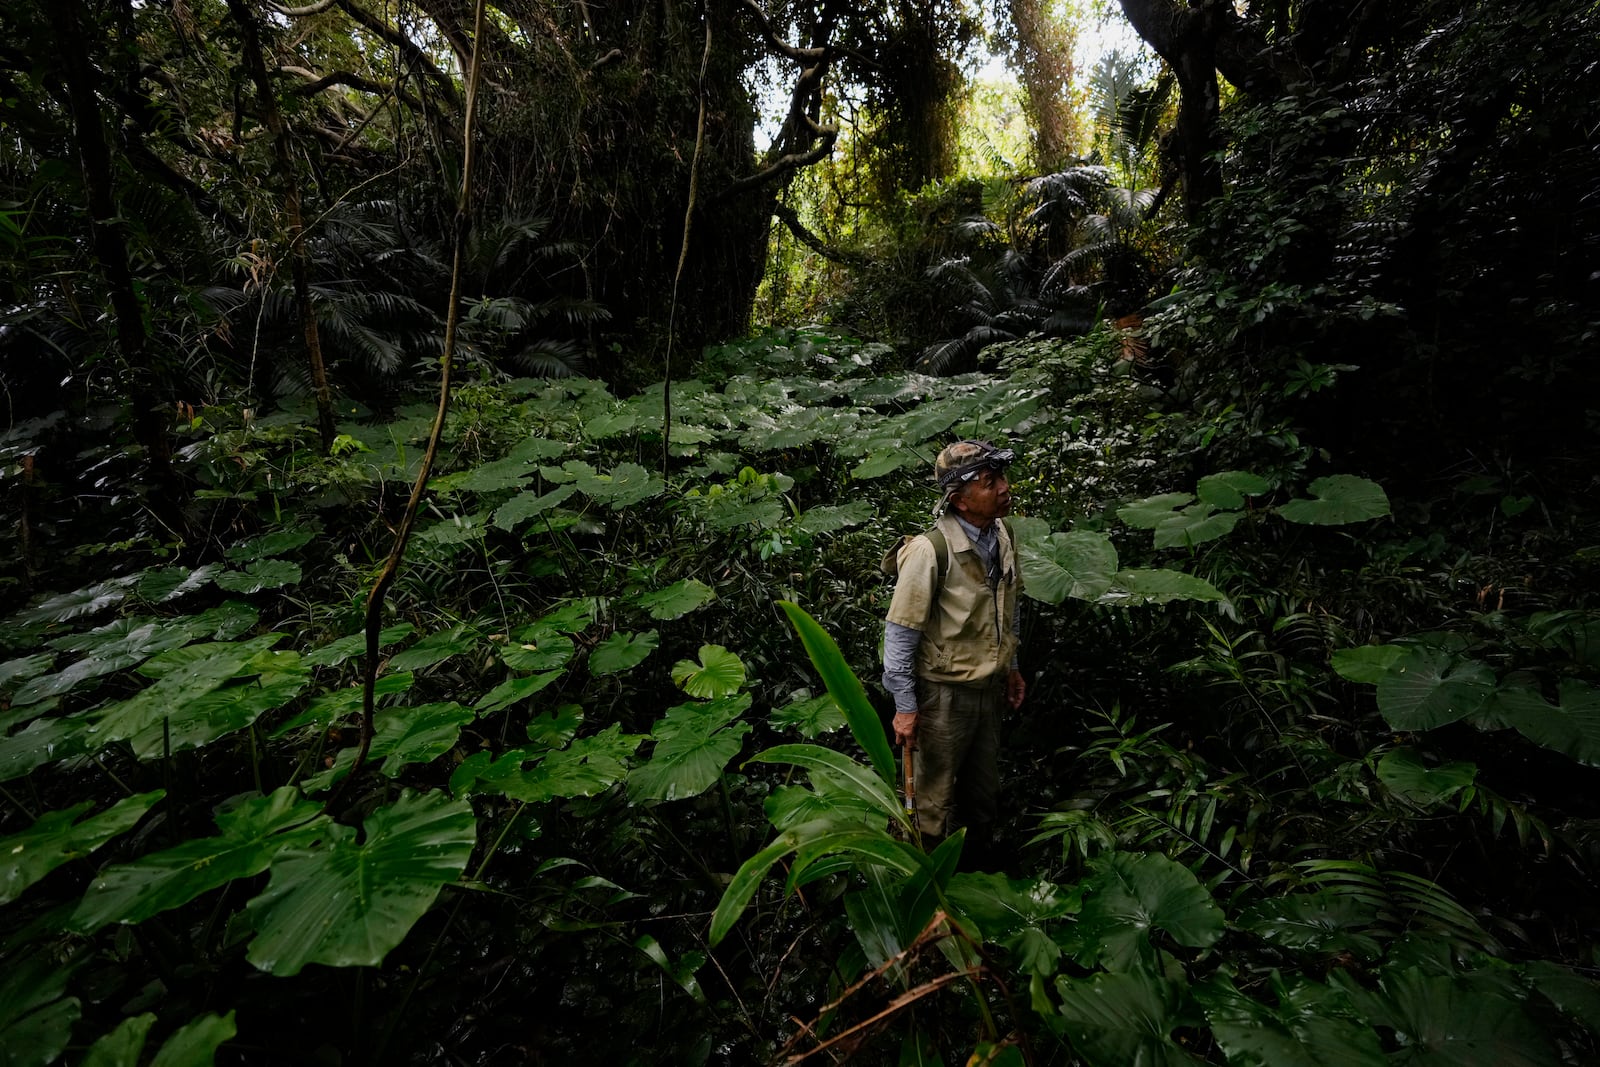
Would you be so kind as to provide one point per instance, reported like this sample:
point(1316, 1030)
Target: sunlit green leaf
point(718, 673)
point(347, 904)
point(1338, 499)
point(621, 651)
point(253, 829)
point(58, 837)
point(86, 601)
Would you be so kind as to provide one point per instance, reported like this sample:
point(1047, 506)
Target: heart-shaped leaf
point(1427, 688)
point(1338, 499)
point(1079, 565)
point(718, 673)
point(57, 837)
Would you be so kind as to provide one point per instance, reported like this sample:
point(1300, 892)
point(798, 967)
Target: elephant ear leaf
point(1132, 895)
point(347, 903)
point(1337, 500)
point(58, 836)
point(693, 744)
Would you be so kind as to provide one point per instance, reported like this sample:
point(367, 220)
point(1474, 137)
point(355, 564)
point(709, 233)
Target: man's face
point(984, 499)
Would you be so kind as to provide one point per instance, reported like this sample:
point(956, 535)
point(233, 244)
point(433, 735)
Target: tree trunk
point(283, 158)
point(110, 247)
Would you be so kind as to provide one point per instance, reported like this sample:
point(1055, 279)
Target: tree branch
point(791, 219)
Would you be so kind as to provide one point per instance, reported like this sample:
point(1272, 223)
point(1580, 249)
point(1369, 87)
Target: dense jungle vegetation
point(448, 449)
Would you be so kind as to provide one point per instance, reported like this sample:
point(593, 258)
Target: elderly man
point(950, 646)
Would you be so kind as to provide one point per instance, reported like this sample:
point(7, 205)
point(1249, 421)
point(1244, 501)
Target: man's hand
point(1016, 690)
point(905, 729)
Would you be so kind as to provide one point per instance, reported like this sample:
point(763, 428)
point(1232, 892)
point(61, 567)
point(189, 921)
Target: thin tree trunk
point(299, 272)
point(110, 248)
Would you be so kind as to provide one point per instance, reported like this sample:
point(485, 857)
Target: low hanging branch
point(374, 610)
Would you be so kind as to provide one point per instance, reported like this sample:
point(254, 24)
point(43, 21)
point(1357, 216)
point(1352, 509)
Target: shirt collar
point(973, 533)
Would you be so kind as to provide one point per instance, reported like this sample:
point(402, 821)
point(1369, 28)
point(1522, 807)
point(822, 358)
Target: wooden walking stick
point(911, 783)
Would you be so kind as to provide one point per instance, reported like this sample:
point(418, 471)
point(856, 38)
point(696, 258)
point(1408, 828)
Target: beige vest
point(967, 633)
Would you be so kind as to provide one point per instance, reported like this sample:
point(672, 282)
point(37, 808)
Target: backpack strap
point(941, 550)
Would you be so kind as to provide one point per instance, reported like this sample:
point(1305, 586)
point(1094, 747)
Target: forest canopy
point(448, 450)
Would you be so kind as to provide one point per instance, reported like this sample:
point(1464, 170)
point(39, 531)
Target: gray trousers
point(958, 743)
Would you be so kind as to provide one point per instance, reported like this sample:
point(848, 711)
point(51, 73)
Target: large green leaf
point(1013, 913)
point(402, 736)
point(43, 741)
point(1409, 778)
point(1079, 565)
point(339, 704)
point(36, 1017)
point(89, 600)
point(540, 650)
point(57, 837)
point(585, 767)
point(1325, 923)
point(1195, 525)
point(676, 600)
point(1441, 1022)
point(1428, 687)
point(1338, 499)
point(814, 716)
point(122, 644)
point(122, 1046)
point(160, 585)
point(253, 828)
point(513, 691)
point(863, 782)
point(845, 688)
point(222, 711)
point(1150, 512)
point(1312, 1026)
point(1132, 895)
point(336, 652)
point(1133, 588)
point(832, 518)
point(346, 904)
point(524, 506)
point(622, 651)
point(261, 575)
point(274, 543)
point(1227, 489)
point(718, 674)
point(886, 461)
point(183, 677)
point(1571, 728)
point(694, 742)
point(1366, 663)
point(195, 1043)
point(1117, 1020)
point(436, 648)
